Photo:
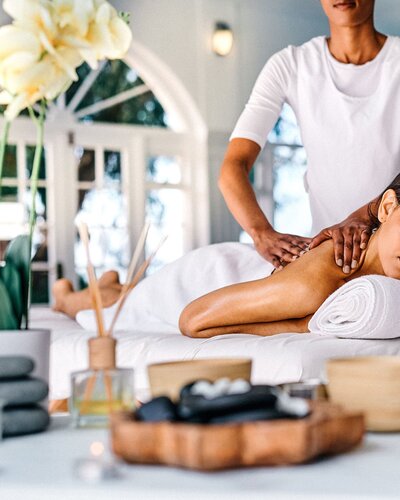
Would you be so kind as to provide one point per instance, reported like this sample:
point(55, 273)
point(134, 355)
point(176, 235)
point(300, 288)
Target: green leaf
point(18, 254)
point(12, 282)
point(8, 320)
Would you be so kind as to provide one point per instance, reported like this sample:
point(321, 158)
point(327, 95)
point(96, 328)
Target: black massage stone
point(18, 421)
point(250, 415)
point(15, 366)
point(157, 410)
point(198, 408)
point(22, 391)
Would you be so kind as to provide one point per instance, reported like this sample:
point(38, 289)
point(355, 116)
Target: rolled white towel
point(367, 308)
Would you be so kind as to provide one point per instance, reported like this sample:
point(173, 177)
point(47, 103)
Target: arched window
point(117, 155)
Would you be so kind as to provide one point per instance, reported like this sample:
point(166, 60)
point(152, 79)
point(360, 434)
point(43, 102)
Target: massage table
point(147, 331)
point(287, 357)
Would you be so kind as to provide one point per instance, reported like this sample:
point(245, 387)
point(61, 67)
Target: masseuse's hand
point(279, 248)
point(349, 237)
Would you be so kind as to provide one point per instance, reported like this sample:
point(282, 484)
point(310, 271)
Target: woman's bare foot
point(61, 289)
point(110, 288)
point(71, 302)
point(109, 278)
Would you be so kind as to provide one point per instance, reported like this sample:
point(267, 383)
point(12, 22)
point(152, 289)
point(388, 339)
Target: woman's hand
point(349, 237)
point(279, 248)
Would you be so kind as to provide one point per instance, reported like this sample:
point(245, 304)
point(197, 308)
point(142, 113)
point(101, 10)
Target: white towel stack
point(367, 308)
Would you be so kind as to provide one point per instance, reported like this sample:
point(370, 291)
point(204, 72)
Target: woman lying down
point(281, 302)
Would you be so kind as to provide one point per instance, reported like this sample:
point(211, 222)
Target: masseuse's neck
point(355, 44)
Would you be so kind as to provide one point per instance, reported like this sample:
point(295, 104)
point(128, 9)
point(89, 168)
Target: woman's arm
point(270, 305)
point(299, 325)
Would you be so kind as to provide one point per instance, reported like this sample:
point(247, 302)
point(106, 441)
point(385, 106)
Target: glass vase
point(98, 393)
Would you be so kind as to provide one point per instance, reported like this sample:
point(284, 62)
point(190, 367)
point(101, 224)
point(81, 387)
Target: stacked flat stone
point(20, 395)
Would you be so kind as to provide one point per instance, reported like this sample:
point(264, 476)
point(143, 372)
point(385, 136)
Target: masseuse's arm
point(281, 302)
point(350, 236)
point(247, 139)
point(239, 195)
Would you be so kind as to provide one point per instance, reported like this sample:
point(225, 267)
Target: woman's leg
point(70, 302)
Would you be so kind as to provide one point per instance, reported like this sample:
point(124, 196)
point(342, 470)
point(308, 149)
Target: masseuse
point(345, 92)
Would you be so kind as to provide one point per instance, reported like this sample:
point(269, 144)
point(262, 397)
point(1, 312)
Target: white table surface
point(40, 467)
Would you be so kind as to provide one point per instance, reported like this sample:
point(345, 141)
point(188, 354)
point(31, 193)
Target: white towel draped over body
point(155, 304)
point(367, 307)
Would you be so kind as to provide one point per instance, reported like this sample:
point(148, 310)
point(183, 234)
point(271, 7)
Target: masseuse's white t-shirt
point(349, 118)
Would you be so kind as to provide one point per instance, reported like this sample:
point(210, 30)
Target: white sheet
point(286, 357)
point(156, 303)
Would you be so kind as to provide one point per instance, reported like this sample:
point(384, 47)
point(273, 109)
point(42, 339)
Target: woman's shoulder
point(319, 263)
point(315, 275)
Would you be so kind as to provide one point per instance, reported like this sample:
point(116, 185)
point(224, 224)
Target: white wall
point(179, 32)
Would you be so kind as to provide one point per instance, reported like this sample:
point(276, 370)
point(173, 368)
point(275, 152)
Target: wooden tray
point(328, 430)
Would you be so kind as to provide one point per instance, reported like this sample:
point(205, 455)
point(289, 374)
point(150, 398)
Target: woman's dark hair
point(374, 205)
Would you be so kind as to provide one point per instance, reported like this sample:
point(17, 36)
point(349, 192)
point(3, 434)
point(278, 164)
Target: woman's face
point(348, 13)
point(389, 236)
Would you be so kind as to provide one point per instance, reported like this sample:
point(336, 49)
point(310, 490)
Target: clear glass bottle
point(102, 388)
point(97, 393)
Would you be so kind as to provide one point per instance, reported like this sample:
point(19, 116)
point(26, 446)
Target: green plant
point(14, 284)
point(15, 271)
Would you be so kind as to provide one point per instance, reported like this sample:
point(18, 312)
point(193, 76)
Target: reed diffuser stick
point(93, 284)
point(131, 269)
point(98, 308)
point(87, 396)
point(136, 254)
point(135, 280)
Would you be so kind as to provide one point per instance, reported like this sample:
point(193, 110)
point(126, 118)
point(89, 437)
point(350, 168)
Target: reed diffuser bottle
point(102, 388)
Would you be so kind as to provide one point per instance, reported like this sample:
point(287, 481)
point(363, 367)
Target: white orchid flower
point(14, 39)
point(109, 36)
point(5, 97)
point(68, 63)
point(74, 15)
point(18, 103)
point(48, 40)
point(32, 15)
point(23, 9)
point(19, 51)
point(45, 79)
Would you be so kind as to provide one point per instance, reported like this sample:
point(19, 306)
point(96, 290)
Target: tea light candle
point(96, 467)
